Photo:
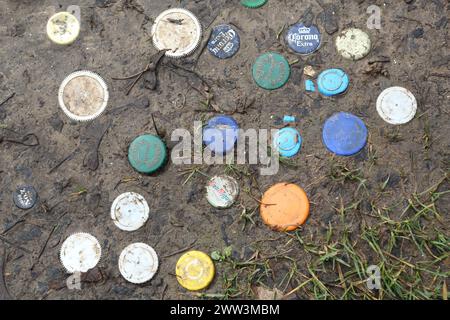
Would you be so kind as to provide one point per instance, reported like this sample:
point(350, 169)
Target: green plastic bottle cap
point(147, 153)
point(253, 3)
point(271, 71)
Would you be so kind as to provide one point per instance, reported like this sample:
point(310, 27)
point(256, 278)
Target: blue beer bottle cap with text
point(224, 42)
point(302, 39)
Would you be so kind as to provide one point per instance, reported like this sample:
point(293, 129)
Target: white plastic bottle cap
point(83, 96)
point(80, 252)
point(129, 211)
point(396, 105)
point(353, 44)
point(222, 191)
point(177, 30)
point(138, 263)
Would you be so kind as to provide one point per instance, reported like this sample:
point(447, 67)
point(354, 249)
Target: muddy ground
point(386, 206)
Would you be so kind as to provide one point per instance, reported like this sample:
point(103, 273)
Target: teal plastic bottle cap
point(147, 153)
point(253, 4)
point(271, 71)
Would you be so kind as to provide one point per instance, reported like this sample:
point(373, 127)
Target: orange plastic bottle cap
point(284, 207)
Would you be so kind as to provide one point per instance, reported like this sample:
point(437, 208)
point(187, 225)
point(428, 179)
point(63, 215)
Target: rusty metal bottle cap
point(353, 44)
point(177, 30)
point(138, 263)
point(129, 211)
point(397, 105)
point(83, 96)
point(80, 252)
point(63, 28)
point(222, 191)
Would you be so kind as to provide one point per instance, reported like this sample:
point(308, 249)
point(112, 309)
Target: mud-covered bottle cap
point(178, 31)
point(224, 41)
point(344, 134)
point(353, 44)
point(302, 39)
point(222, 191)
point(271, 71)
point(80, 252)
point(63, 28)
point(138, 263)
point(83, 96)
point(397, 105)
point(147, 153)
point(129, 211)
point(195, 270)
point(25, 197)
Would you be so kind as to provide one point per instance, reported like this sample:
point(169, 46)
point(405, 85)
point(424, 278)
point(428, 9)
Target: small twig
point(4, 293)
point(14, 244)
point(69, 157)
point(181, 250)
point(154, 125)
point(43, 247)
point(7, 98)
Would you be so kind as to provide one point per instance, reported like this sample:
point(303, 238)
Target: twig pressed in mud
point(152, 66)
point(181, 250)
point(7, 98)
point(43, 248)
point(60, 163)
point(12, 243)
point(4, 293)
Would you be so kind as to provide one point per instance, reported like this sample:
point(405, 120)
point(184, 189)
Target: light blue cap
point(288, 142)
point(332, 82)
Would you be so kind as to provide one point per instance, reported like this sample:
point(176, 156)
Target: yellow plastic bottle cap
point(63, 28)
point(195, 270)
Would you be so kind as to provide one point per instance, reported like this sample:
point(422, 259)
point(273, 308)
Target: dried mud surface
point(115, 41)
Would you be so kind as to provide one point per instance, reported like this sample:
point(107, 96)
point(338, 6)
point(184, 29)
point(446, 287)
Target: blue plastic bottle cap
point(303, 40)
point(332, 82)
point(344, 134)
point(288, 119)
point(288, 142)
point(309, 86)
point(224, 42)
point(220, 134)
